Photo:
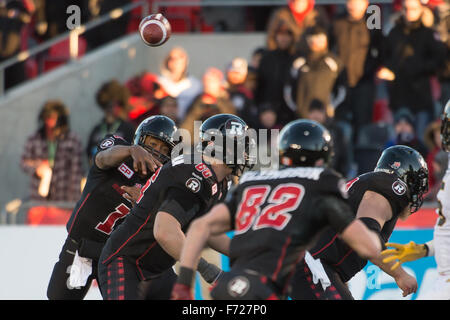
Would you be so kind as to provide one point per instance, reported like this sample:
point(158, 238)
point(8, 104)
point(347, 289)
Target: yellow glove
point(403, 253)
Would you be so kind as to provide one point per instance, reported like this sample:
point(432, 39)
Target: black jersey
point(334, 251)
point(181, 188)
point(102, 205)
point(277, 214)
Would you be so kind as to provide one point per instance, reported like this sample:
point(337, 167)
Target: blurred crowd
point(371, 87)
point(27, 23)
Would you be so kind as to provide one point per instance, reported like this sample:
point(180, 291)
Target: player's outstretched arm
point(112, 157)
point(216, 222)
point(167, 232)
point(374, 210)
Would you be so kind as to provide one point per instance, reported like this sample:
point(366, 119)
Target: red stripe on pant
point(115, 285)
point(329, 294)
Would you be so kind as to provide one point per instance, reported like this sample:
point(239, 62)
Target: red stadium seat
point(47, 216)
point(31, 68)
point(381, 111)
point(182, 19)
point(59, 53)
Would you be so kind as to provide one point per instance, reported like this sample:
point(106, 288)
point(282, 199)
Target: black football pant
point(119, 280)
point(59, 287)
point(304, 288)
point(243, 285)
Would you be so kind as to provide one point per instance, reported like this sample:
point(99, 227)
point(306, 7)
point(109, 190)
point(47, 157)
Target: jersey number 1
point(108, 225)
point(276, 214)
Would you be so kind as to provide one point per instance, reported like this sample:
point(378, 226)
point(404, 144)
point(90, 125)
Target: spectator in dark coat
point(273, 72)
point(359, 49)
point(411, 57)
point(313, 77)
point(405, 133)
point(298, 15)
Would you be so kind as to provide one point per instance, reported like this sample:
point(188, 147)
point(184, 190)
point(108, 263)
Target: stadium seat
point(381, 111)
point(59, 53)
point(31, 68)
point(42, 215)
point(181, 18)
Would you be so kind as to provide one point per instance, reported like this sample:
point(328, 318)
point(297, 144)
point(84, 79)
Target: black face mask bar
point(417, 190)
point(158, 155)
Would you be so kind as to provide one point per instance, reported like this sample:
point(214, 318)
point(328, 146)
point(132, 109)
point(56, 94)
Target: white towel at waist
point(80, 271)
point(317, 270)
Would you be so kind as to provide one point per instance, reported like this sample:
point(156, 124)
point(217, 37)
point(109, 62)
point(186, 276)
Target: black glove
point(208, 271)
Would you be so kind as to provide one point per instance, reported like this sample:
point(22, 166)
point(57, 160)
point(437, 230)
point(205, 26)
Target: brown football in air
point(155, 30)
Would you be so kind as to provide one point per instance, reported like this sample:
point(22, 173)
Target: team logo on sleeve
point(399, 187)
point(214, 189)
point(107, 143)
point(193, 184)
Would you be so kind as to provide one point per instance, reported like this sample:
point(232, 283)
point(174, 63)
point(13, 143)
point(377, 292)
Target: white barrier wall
point(28, 254)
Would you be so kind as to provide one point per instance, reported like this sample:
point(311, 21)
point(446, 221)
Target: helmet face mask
point(417, 186)
point(445, 128)
point(158, 127)
point(225, 138)
point(161, 157)
point(410, 167)
point(302, 143)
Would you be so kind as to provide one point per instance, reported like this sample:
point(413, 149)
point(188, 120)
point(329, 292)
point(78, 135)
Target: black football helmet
point(445, 128)
point(235, 146)
point(302, 142)
point(159, 127)
point(410, 167)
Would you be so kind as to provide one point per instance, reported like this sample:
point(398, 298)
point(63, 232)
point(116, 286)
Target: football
point(155, 30)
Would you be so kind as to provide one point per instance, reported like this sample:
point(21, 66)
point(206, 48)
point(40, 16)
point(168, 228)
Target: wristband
point(427, 250)
point(430, 248)
point(186, 276)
